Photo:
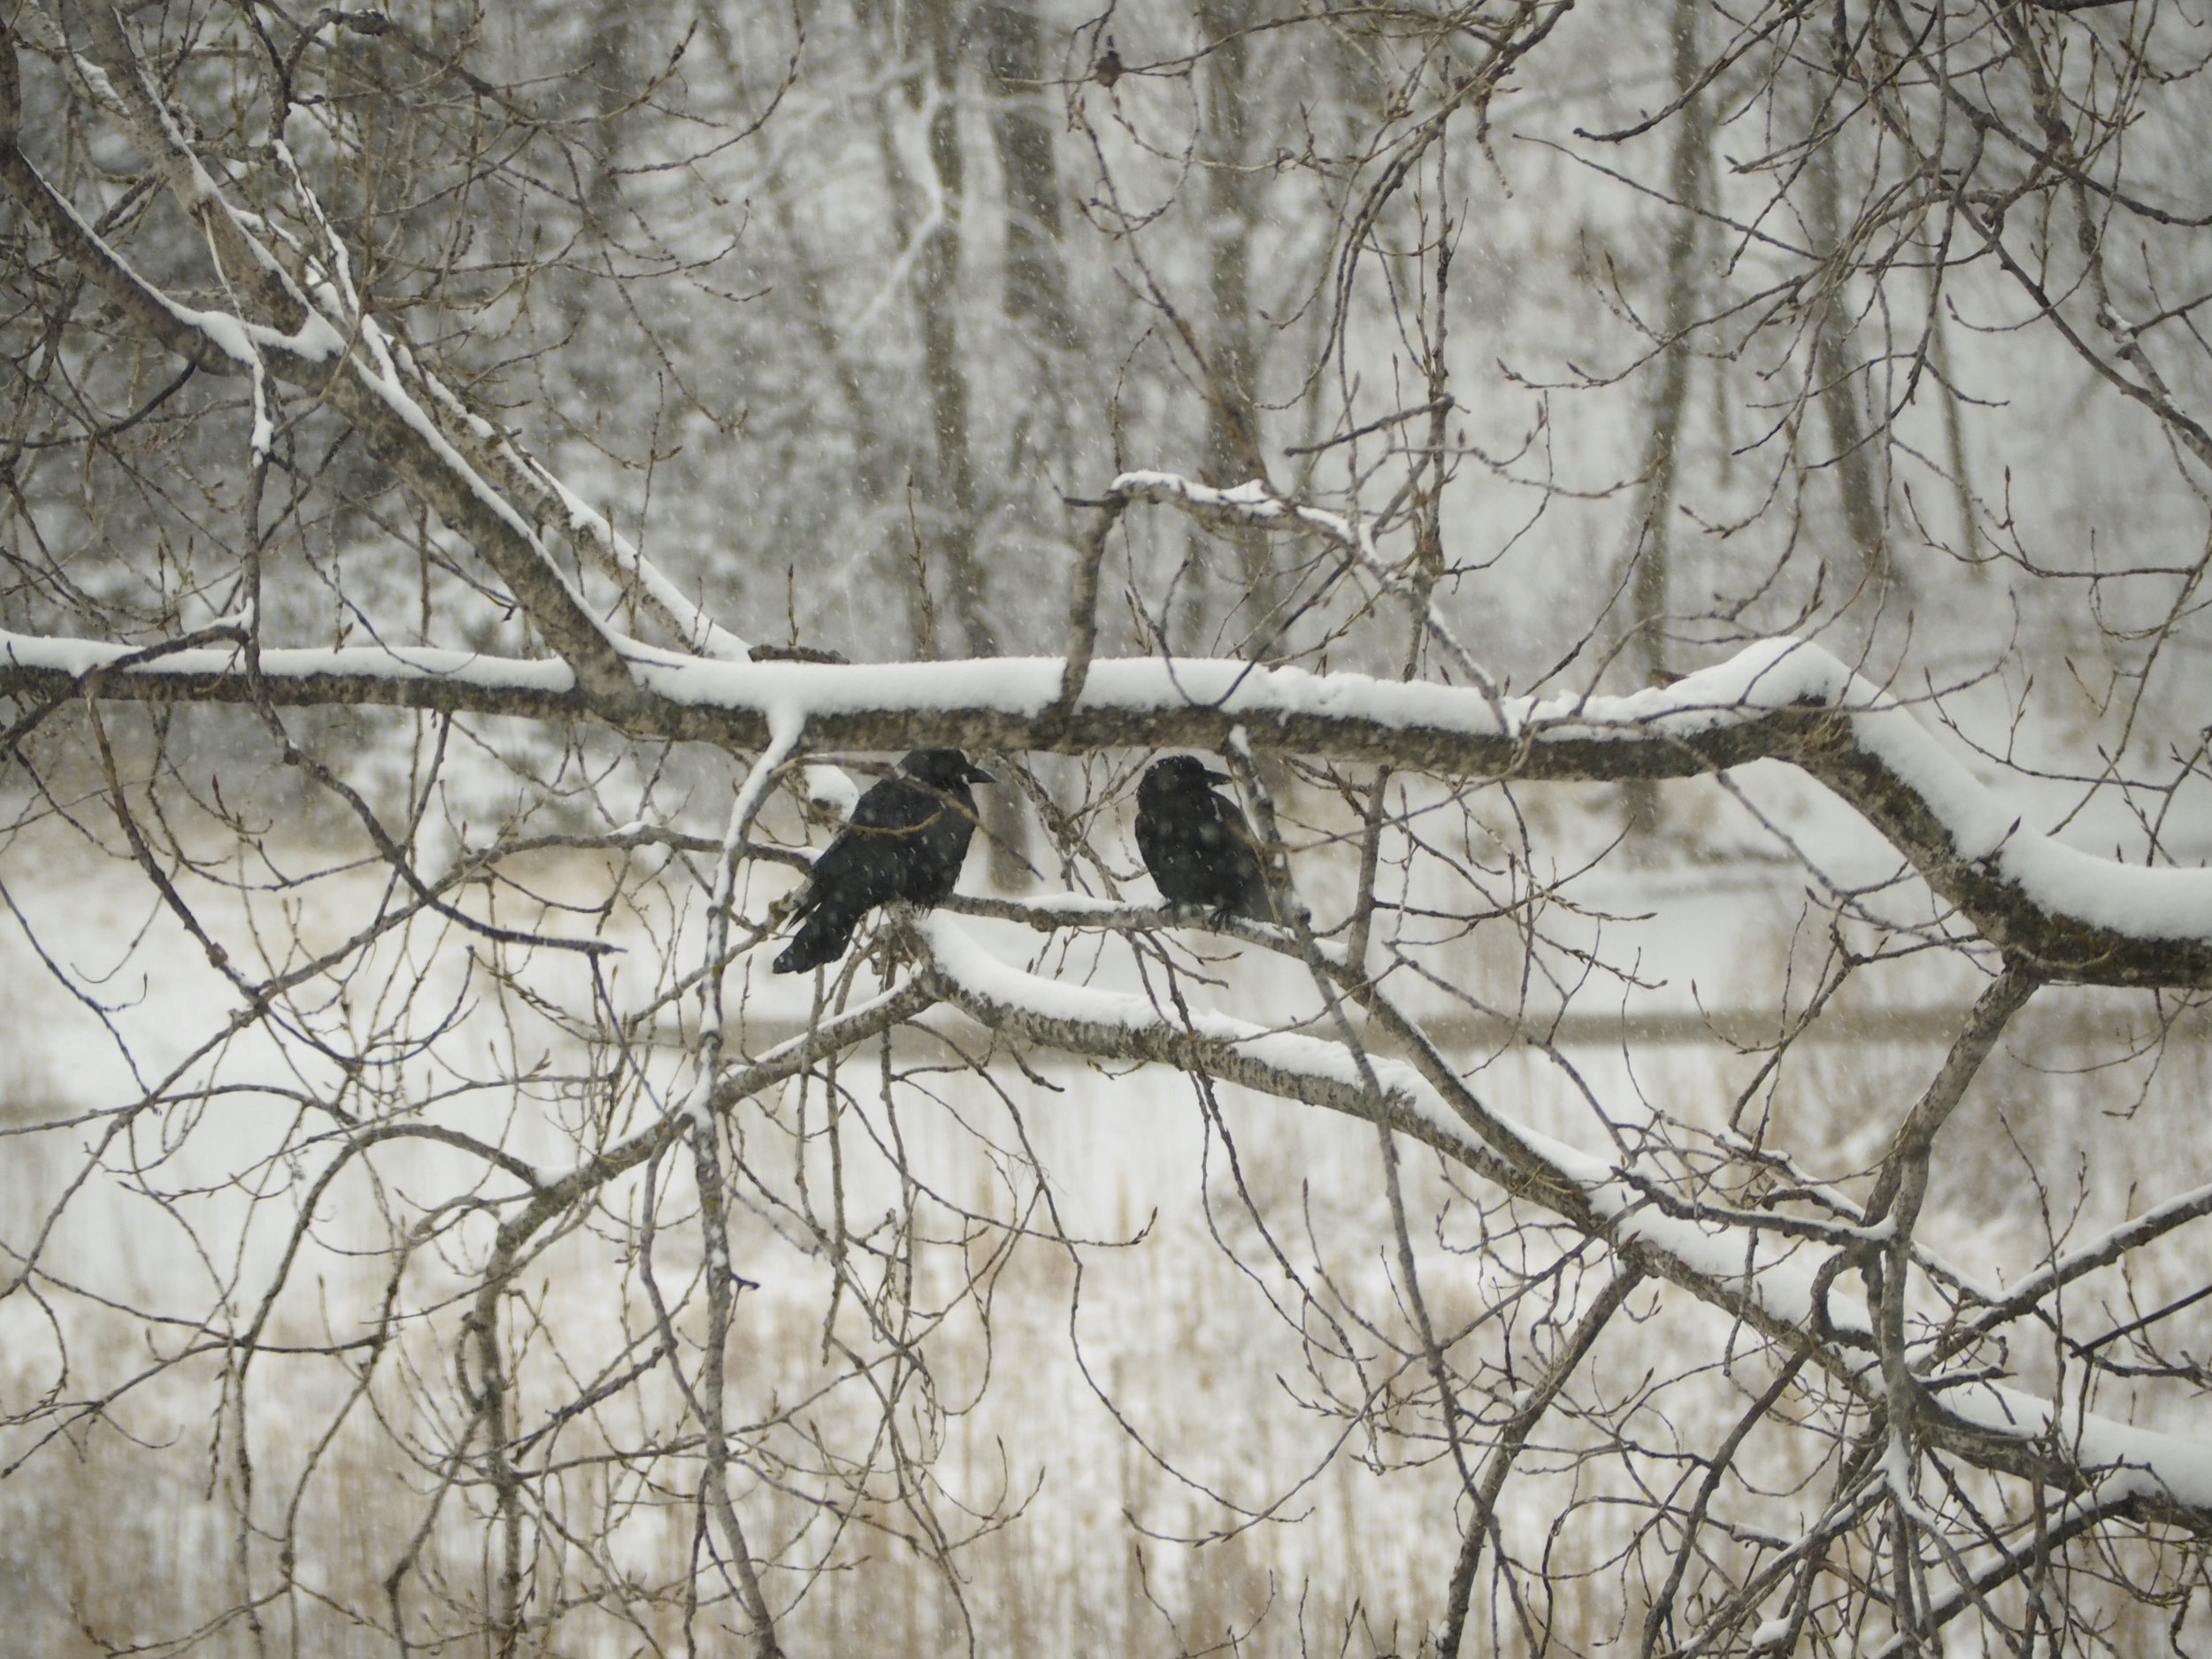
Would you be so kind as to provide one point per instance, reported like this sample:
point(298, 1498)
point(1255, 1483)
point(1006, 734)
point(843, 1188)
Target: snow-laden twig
point(1255, 506)
point(2070, 915)
point(2102, 1251)
point(1982, 1421)
point(617, 558)
point(312, 351)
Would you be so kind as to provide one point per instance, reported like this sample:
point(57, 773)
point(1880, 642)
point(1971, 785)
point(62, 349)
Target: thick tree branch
point(1982, 1423)
point(2064, 915)
point(306, 347)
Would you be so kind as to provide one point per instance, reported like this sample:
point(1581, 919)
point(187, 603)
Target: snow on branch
point(2069, 915)
point(2105, 1500)
point(200, 338)
point(219, 342)
point(1587, 1191)
point(51, 671)
point(306, 347)
point(1254, 506)
point(2162, 1476)
point(2102, 1251)
point(523, 476)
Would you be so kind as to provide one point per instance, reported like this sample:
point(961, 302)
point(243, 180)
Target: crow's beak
point(1219, 777)
point(976, 774)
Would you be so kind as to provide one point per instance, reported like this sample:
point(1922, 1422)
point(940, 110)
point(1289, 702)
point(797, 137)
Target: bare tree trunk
point(1036, 280)
point(606, 87)
point(1654, 545)
point(1233, 451)
point(1838, 372)
point(952, 495)
point(955, 500)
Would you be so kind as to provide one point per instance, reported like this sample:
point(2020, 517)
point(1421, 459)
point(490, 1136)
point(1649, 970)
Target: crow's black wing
point(894, 805)
point(868, 863)
point(1201, 851)
point(939, 846)
point(904, 840)
point(1171, 838)
point(1244, 872)
point(1155, 845)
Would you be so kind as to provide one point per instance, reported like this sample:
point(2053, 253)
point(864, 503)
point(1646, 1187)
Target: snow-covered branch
point(428, 1101)
point(1254, 506)
point(334, 356)
point(1768, 1284)
point(2069, 915)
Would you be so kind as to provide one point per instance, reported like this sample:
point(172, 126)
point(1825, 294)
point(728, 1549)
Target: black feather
point(1198, 845)
point(906, 839)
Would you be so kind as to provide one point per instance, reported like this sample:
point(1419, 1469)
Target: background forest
point(470, 472)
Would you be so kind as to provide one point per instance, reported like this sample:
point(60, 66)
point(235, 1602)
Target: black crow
point(904, 840)
point(1197, 846)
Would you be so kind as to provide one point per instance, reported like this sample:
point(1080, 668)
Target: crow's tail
point(1256, 900)
point(823, 939)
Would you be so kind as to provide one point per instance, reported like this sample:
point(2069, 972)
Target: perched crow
point(1197, 846)
point(904, 840)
